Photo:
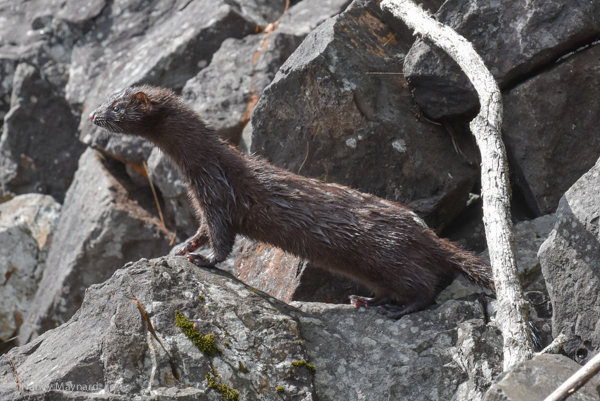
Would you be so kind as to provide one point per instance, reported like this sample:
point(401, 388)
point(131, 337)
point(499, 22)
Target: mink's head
point(137, 111)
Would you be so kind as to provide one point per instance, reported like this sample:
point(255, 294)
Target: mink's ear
point(143, 99)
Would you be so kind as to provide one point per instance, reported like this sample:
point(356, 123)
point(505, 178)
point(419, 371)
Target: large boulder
point(165, 329)
point(337, 110)
point(549, 128)
point(168, 329)
point(39, 148)
point(27, 225)
point(515, 39)
point(570, 260)
point(101, 226)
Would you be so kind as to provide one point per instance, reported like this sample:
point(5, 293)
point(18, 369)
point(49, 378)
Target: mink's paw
point(200, 260)
point(359, 301)
point(190, 245)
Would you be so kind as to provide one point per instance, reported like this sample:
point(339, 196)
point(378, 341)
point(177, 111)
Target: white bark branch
point(513, 310)
point(576, 381)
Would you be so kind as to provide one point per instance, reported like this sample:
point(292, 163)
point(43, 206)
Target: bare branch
point(513, 310)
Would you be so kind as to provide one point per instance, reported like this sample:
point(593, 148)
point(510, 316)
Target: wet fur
point(376, 242)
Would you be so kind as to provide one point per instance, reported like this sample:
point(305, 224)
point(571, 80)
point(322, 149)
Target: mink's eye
point(116, 109)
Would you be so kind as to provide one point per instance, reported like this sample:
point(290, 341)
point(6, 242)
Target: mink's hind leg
point(385, 307)
point(397, 311)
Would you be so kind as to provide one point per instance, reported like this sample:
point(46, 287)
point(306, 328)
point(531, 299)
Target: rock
point(538, 378)
point(326, 117)
point(178, 212)
point(38, 147)
point(101, 226)
point(41, 33)
point(27, 225)
point(547, 125)
point(161, 43)
point(539, 32)
point(570, 260)
point(124, 342)
point(290, 278)
point(359, 354)
point(225, 92)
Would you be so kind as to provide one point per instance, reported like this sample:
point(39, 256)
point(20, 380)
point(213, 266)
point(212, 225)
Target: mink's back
point(377, 242)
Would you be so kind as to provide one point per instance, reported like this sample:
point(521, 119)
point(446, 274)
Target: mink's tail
point(471, 265)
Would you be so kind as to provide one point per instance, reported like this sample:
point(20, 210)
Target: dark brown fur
point(378, 243)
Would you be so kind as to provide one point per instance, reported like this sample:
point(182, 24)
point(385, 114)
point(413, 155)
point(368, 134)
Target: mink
point(376, 242)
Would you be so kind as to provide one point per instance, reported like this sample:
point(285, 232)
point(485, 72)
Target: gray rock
point(570, 260)
point(27, 224)
point(538, 378)
point(225, 92)
point(326, 117)
point(359, 354)
point(123, 344)
point(514, 38)
point(101, 226)
point(39, 148)
point(163, 43)
point(547, 124)
point(178, 209)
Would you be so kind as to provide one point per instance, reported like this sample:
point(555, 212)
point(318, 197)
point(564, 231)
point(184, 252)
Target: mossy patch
point(227, 393)
point(280, 389)
point(205, 343)
point(303, 364)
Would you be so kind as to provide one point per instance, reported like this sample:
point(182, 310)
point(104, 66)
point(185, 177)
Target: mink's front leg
point(221, 236)
point(192, 243)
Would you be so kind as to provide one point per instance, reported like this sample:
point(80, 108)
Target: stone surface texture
point(100, 228)
point(123, 344)
point(330, 114)
point(436, 354)
point(538, 378)
point(27, 224)
point(549, 127)
point(39, 146)
point(570, 260)
point(515, 38)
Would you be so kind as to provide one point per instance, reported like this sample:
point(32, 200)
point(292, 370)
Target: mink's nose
point(92, 115)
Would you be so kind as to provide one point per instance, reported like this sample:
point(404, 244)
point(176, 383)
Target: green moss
point(302, 363)
point(300, 342)
point(205, 343)
point(280, 389)
point(201, 297)
point(226, 343)
point(227, 393)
